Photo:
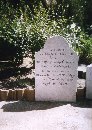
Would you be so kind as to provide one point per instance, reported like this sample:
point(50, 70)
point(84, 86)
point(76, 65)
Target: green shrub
point(29, 32)
point(85, 49)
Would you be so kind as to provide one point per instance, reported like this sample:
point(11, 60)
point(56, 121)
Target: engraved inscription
point(56, 71)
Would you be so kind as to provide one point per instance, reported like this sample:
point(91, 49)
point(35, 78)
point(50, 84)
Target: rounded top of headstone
point(57, 41)
point(89, 65)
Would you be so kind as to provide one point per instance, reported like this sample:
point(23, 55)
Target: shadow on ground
point(21, 106)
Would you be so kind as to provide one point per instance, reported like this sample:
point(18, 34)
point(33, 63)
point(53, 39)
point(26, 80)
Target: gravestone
point(56, 71)
point(89, 82)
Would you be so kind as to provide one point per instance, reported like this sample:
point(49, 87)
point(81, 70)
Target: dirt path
point(23, 115)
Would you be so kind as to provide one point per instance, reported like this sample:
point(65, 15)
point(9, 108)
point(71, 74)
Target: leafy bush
point(8, 52)
point(29, 31)
point(85, 49)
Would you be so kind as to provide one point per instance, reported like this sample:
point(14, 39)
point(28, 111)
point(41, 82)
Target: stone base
point(4, 95)
point(29, 94)
point(18, 94)
point(12, 95)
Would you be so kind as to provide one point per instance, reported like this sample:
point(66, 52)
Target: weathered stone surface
point(29, 94)
point(19, 94)
point(56, 71)
point(12, 95)
point(89, 82)
point(4, 95)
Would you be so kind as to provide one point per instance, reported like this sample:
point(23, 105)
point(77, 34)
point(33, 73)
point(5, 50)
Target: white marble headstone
point(89, 82)
point(56, 71)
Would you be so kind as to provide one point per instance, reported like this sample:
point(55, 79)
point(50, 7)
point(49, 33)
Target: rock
point(12, 95)
point(4, 95)
point(19, 94)
point(29, 94)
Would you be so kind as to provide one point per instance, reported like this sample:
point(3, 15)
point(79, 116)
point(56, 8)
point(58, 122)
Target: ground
point(22, 115)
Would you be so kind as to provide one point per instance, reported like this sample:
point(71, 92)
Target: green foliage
point(31, 32)
point(85, 49)
point(28, 28)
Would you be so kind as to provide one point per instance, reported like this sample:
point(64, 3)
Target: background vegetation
point(26, 24)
